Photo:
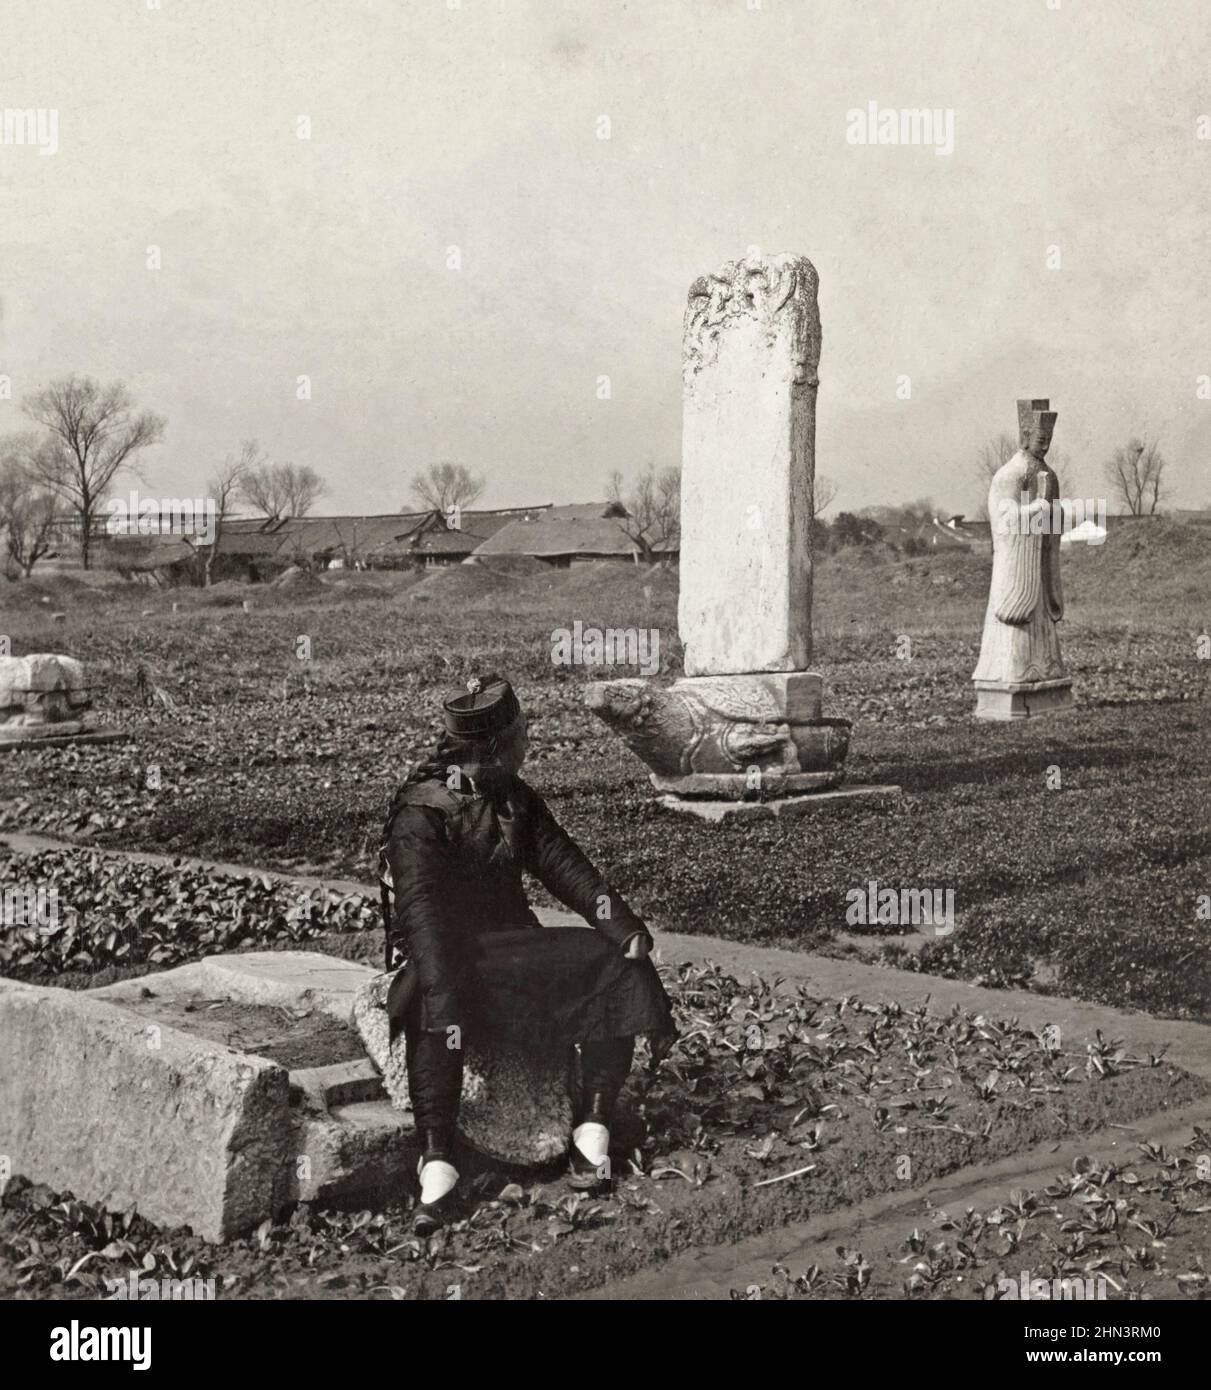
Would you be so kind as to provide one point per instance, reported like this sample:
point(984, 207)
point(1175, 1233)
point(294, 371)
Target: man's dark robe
point(476, 955)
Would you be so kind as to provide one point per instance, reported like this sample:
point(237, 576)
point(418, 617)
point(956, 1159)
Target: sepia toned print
point(605, 640)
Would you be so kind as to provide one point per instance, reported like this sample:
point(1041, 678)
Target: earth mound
point(502, 578)
point(298, 581)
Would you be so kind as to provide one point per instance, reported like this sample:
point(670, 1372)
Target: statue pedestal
point(1022, 700)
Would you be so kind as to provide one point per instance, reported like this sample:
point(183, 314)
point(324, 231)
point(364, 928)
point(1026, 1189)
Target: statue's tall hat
point(1041, 431)
point(1026, 414)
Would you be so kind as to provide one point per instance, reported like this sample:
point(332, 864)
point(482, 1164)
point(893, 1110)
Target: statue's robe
point(1026, 600)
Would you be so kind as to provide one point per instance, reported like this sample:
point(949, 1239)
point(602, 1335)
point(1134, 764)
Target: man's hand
point(637, 947)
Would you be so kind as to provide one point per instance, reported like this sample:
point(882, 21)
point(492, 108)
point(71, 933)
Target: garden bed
point(774, 1105)
point(1088, 887)
point(1100, 1231)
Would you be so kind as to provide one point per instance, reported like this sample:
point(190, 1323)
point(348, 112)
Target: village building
point(578, 534)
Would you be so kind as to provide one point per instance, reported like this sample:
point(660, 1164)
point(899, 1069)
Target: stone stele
point(750, 348)
point(744, 724)
point(46, 698)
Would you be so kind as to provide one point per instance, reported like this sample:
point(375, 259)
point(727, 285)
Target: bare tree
point(999, 450)
point(445, 485)
point(260, 489)
point(303, 487)
point(27, 518)
point(1137, 474)
point(281, 489)
point(223, 487)
point(92, 431)
point(824, 493)
point(651, 515)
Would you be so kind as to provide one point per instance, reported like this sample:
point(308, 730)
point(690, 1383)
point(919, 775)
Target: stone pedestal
point(46, 699)
point(1024, 700)
point(782, 807)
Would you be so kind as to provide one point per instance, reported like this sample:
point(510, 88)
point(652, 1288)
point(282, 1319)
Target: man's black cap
point(487, 706)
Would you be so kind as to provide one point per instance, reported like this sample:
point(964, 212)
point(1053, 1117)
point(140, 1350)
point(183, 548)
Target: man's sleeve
point(416, 853)
point(558, 863)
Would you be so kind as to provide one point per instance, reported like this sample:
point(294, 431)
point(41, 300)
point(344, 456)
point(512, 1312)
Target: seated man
point(477, 963)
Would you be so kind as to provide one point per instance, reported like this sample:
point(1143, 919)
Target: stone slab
point(813, 802)
point(287, 979)
point(361, 1154)
point(96, 1101)
point(751, 343)
point(736, 786)
point(342, 1083)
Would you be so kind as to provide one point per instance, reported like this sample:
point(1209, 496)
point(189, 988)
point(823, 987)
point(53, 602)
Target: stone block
point(125, 1113)
point(288, 979)
point(102, 1097)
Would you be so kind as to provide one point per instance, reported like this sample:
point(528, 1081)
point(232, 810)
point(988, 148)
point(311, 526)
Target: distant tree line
point(83, 434)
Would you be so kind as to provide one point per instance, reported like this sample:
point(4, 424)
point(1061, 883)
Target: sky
point(454, 258)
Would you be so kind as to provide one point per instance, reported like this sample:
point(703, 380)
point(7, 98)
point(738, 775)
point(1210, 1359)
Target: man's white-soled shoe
point(438, 1180)
point(589, 1160)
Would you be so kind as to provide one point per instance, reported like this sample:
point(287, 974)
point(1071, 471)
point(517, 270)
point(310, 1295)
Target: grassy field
point(1076, 849)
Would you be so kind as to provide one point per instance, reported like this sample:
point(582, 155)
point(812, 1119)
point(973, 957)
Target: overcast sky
point(477, 127)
